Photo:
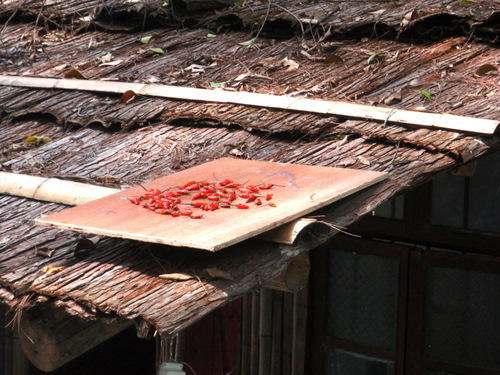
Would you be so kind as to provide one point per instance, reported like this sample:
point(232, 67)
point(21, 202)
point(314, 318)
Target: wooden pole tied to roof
point(425, 119)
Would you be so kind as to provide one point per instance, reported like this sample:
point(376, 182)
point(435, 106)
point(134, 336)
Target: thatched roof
point(97, 140)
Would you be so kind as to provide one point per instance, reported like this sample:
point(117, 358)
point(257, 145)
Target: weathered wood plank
point(299, 190)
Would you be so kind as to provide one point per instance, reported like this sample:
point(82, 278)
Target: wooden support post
point(13, 361)
point(265, 331)
point(246, 334)
point(52, 338)
point(20, 363)
point(299, 331)
point(276, 342)
point(254, 365)
point(287, 347)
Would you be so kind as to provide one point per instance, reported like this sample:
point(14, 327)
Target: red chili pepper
point(224, 182)
point(196, 196)
point(211, 207)
point(166, 202)
point(222, 194)
point(252, 188)
point(251, 198)
point(152, 192)
point(192, 187)
point(189, 183)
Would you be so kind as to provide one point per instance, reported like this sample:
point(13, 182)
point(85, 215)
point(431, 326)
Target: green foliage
point(426, 94)
point(158, 50)
point(370, 59)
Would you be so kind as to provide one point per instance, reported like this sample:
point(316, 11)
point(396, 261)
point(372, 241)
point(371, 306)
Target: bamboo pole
point(387, 115)
point(288, 233)
point(51, 189)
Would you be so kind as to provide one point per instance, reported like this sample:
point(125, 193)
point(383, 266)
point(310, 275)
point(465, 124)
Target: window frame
point(415, 361)
point(416, 227)
point(408, 356)
point(318, 285)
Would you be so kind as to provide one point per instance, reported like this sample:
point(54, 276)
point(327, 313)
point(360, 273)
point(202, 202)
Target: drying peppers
point(203, 196)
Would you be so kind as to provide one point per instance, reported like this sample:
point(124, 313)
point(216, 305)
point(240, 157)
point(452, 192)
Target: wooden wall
point(273, 332)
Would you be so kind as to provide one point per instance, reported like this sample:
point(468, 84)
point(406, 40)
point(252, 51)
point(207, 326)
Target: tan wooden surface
point(302, 189)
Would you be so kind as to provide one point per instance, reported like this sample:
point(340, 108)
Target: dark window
point(462, 316)
point(457, 211)
point(469, 202)
point(362, 298)
point(392, 209)
point(359, 295)
point(424, 297)
point(383, 308)
point(454, 320)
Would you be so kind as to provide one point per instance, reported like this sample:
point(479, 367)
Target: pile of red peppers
point(204, 196)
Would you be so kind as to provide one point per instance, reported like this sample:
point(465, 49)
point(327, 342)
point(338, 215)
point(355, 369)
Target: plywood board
point(298, 190)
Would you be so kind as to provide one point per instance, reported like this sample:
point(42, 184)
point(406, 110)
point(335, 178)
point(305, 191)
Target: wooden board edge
point(380, 176)
point(128, 236)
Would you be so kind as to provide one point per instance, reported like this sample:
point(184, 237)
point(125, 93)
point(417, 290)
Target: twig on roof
point(264, 22)
point(36, 24)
